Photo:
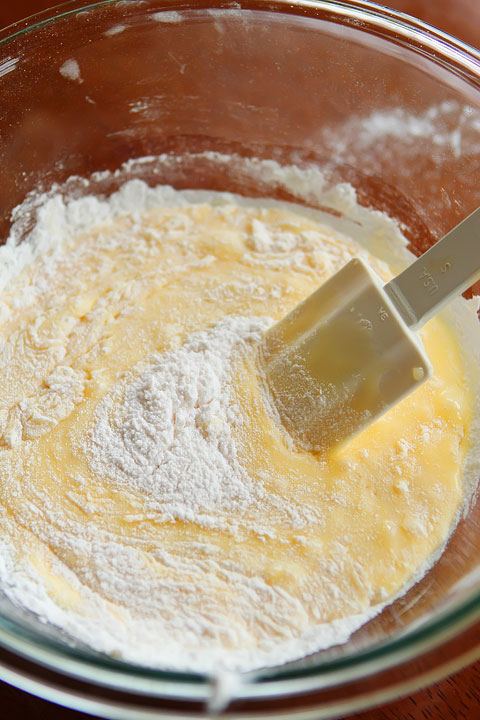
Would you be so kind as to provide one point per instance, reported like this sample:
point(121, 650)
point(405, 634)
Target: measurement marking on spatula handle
point(429, 282)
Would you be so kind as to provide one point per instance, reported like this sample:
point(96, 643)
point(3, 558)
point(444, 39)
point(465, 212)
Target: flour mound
point(166, 431)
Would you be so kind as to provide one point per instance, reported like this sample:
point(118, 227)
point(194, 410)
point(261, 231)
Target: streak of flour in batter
point(167, 430)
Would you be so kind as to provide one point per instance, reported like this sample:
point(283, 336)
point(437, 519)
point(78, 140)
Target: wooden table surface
point(456, 697)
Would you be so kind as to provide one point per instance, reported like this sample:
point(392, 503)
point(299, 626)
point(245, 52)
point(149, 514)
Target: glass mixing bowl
point(371, 96)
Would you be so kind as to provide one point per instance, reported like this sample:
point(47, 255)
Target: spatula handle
point(447, 269)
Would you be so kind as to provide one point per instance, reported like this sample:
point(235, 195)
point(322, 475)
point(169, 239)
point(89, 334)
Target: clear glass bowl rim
point(455, 56)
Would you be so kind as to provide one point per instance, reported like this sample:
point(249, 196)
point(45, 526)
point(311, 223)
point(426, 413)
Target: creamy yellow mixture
point(319, 539)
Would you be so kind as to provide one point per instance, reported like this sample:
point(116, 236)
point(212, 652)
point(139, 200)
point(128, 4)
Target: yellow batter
point(321, 539)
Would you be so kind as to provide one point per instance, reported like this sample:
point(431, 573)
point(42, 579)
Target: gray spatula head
point(340, 359)
point(349, 352)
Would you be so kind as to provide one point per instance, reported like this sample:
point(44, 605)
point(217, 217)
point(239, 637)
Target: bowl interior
point(359, 93)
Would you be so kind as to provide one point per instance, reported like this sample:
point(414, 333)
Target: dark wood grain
point(455, 698)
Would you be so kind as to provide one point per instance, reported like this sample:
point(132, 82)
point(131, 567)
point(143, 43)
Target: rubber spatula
point(350, 351)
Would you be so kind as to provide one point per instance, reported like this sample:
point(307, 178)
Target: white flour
point(165, 432)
